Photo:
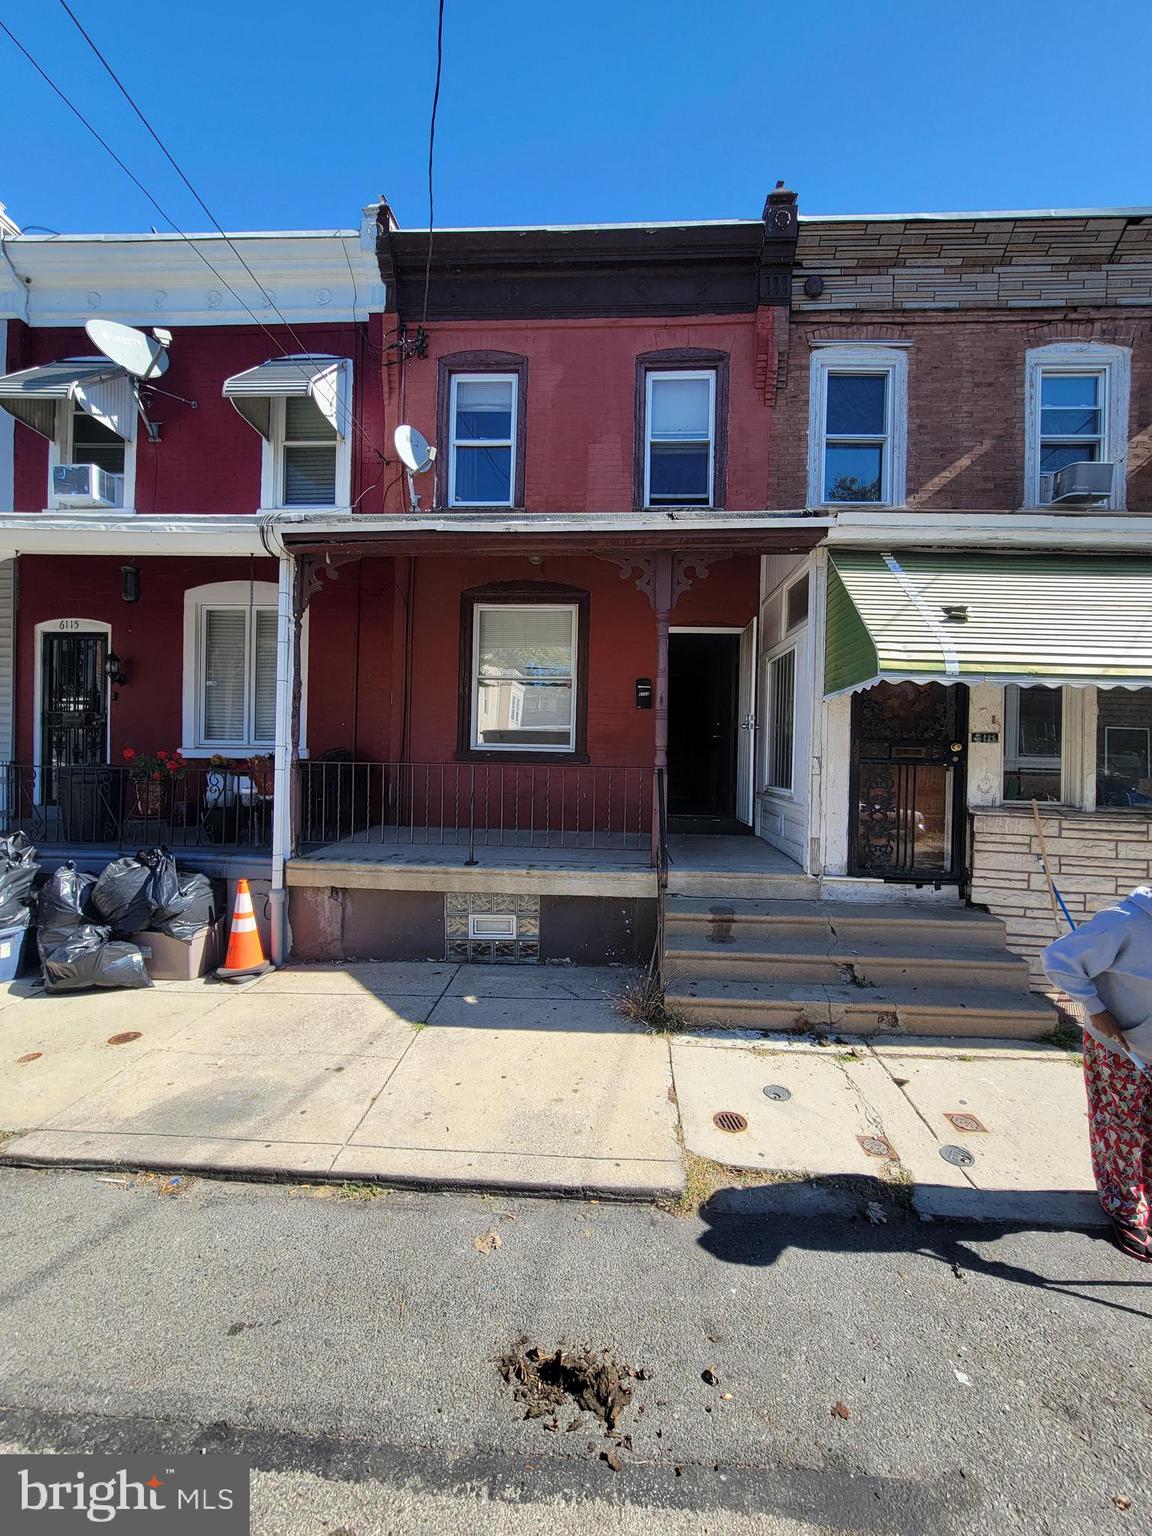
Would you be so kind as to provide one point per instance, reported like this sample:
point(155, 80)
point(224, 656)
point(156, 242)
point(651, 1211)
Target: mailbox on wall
point(643, 693)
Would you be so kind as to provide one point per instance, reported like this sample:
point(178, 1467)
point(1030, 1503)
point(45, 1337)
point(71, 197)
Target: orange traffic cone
point(245, 955)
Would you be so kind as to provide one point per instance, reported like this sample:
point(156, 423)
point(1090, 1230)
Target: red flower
point(156, 778)
point(128, 754)
point(162, 755)
point(173, 766)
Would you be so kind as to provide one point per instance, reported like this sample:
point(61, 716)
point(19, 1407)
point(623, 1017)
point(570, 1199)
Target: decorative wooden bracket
point(313, 568)
point(663, 579)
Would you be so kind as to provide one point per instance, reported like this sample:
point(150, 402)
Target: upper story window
point(302, 408)
point(857, 426)
point(482, 462)
point(680, 439)
point(1076, 405)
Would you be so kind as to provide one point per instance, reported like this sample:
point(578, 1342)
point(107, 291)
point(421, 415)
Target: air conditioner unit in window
point(87, 485)
point(1084, 484)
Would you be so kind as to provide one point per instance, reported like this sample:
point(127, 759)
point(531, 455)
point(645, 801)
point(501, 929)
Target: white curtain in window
point(225, 652)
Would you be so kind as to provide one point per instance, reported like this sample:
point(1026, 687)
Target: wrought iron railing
point(109, 804)
point(474, 805)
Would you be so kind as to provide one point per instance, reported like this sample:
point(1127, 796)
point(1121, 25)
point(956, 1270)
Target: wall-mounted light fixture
point(130, 583)
point(112, 670)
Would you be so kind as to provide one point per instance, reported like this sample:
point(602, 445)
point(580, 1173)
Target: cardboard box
point(168, 959)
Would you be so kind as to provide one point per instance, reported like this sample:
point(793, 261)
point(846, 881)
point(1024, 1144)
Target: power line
point(431, 148)
point(122, 88)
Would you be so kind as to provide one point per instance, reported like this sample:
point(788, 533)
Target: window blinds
point(239, 702)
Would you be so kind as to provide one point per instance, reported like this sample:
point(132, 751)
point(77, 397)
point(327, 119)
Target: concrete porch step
point(848, 921)
point(735, 885)
point(752, 955)
point(901, 1009)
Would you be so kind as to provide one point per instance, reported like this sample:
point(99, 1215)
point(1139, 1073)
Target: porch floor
point(568, 870)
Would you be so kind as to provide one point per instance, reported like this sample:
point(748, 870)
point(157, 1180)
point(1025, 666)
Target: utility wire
point(122, 88)
point(431, 149)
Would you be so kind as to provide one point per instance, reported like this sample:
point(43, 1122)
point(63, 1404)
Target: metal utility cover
point(959, 1157)
point(963, 1122)
point(778, 1092)
point(877, 1146)
point(730, 1120)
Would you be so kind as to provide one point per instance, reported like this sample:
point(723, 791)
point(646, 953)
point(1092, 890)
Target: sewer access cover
point(959, 1157)
point(877, 1146)
point(730, 1120)
point(965, 1122)
point(778, 1092)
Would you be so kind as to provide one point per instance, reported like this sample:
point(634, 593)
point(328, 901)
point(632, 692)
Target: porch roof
point(1033, 619)
point(577, 533)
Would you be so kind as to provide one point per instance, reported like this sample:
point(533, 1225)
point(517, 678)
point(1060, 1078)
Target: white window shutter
point(264, 686)
point(225, 647)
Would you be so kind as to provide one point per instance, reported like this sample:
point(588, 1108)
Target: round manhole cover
point(123, 1039)
point(729, 1120)
point(778, 1092)
point(959, 1157)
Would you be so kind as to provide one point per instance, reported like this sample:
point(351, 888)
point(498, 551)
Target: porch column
point(285, 781)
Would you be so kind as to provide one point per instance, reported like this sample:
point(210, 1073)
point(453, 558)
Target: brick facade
point(1094, 858)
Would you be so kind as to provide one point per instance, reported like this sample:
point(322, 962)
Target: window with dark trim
point(481, 425)
point(680, 429)
point(523, 673)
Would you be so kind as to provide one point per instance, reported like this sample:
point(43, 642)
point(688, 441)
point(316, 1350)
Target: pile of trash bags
point(83, 921)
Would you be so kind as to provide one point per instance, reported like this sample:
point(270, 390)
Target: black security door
point(74, 718)
point(908, 785)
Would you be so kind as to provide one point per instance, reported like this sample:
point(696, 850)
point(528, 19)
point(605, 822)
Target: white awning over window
point(96, 385)
point(323, 379)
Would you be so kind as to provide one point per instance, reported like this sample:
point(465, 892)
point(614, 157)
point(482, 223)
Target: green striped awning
point(999, 618)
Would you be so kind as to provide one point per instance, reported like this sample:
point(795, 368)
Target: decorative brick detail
point(1094, 860)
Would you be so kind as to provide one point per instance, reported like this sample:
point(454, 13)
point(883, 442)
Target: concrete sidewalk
point(531, 1079)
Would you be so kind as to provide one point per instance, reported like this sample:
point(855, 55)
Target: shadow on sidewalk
point(754, 1227)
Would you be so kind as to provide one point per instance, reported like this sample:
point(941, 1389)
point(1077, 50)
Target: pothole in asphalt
point(550, 1383)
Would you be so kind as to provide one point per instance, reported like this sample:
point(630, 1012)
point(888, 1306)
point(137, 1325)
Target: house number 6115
point(69, 624)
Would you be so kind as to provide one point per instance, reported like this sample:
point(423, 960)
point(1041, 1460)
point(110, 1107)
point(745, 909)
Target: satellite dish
point(145, 356)
point(416, 454)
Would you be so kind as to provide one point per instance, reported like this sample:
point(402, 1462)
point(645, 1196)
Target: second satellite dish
point(145, 356)
point(416, 454)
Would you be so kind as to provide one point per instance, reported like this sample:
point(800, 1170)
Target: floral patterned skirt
point(1119, 1133)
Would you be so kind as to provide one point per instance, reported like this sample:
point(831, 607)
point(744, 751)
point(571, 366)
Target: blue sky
point(293, 115)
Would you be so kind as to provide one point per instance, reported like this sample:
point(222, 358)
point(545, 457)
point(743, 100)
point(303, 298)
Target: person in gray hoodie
point(1105, 967)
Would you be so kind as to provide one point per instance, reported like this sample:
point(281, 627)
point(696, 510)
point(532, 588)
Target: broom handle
point(1044, 862)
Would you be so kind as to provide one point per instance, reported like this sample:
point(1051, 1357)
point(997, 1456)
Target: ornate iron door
point(74, 694)
point(908, 788)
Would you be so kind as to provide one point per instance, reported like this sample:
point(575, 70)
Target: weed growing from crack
point(644, 1002)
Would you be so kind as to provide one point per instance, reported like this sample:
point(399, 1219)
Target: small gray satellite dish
point(145, 356)
point(416, 454)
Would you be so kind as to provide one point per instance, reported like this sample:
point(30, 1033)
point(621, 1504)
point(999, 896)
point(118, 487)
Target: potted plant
point(151, 776)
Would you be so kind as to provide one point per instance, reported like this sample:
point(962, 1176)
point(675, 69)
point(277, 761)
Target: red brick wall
point(581, 402)
point(208, 459)
point(965, 401)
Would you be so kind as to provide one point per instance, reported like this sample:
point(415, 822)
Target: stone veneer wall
point(1094, 857)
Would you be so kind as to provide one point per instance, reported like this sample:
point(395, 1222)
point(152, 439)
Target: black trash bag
point(18, 871)
point(122, 896)
point(65, 905)
point(82, 963)
point(193, 909)
point(163, 885)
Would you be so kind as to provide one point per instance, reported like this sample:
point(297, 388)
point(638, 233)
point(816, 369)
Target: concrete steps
point(775, 963)
point(740, 885)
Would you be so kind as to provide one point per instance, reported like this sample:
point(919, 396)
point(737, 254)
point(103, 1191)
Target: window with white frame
point(524, 677)
point(307, 453)
point(857, 431)
point(82, 439)
point(780, 752)
point(1033, 743)
point(230, 656)
point(482, 423)
point(1076, 411)
point(680, 438)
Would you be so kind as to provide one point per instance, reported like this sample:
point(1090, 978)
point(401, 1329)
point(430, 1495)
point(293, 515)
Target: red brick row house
point(741, 573)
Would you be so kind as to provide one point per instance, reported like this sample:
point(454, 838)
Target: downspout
point(287, 750)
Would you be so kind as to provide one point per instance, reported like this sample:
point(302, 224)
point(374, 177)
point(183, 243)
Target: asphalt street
point(906, 1377)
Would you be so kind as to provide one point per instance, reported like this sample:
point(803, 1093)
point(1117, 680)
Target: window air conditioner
point(87, 485)
point(1084, 484)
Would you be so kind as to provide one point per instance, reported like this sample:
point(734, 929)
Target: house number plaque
point(985, 736)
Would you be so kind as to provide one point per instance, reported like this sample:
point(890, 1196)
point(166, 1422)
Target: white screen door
point(746, 726)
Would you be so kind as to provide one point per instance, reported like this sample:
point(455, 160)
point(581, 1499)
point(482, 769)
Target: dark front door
point(74, 693)
point(702, 693)
point(908, 792)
